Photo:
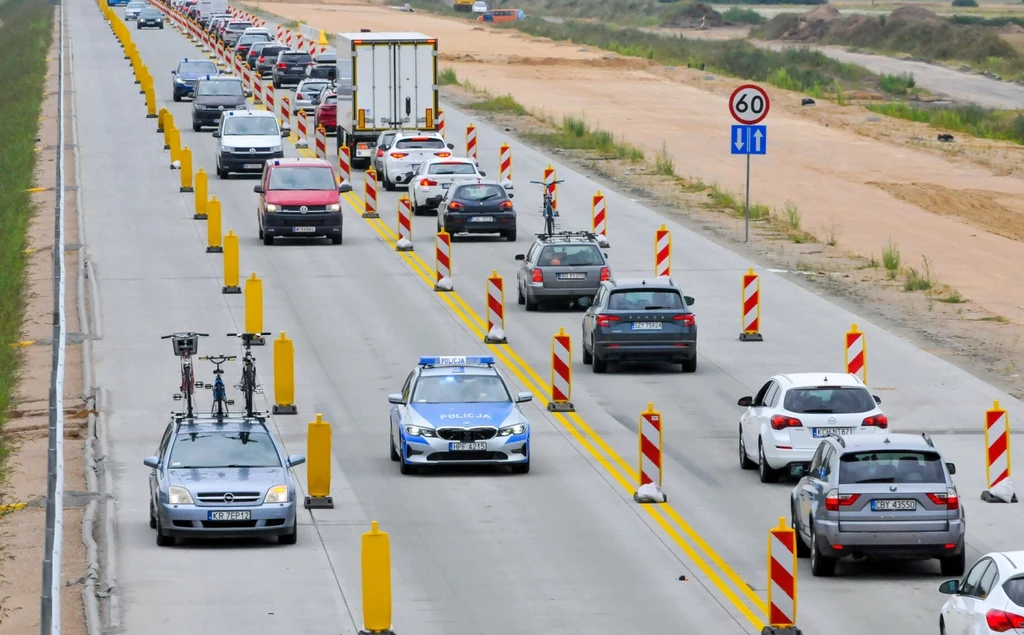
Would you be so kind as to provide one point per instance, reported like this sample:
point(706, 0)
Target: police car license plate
point(646, 326)
point(820, 433)
point(462, 447)
point(239, 515)
point(252, 166)
point(482, 219)
point(304, 230)
point(894, 505)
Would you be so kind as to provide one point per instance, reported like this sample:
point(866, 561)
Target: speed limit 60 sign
point(749, 104)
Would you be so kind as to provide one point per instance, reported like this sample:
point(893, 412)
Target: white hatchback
point(790, 415)
point(407, 152)
point(436, 176)
point(988, 600)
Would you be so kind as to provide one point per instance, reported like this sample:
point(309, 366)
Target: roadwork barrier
point(344, 164)
point(318, 462)
point(662, 252)
point(856, 353)
point(213, 225)
point(443, 262)
point(651, 452)
point(997, 457)
point(561, 373)
point(440, 123)
point(370, 194)
point(782, 574)
point(232, 263)
point(301, 121)
point(599, 218)
point(750, 305)
point(471, 142)
point(550, 178)
point(505, 163)
point(200, 194)
point(495, 310)
point(284, 375)
point(320, 143)
point(404, 242)
point(186, 170)
point(375, 561)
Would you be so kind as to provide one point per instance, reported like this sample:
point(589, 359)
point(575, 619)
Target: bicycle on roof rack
point(249, 384)
point(219, 409)
point(548, 210)
point(186, 344)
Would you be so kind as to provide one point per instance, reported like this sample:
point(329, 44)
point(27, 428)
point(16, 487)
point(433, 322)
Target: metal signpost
point(748, 105)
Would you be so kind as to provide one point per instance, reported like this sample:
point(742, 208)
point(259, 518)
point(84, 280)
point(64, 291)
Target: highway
point(564, 547)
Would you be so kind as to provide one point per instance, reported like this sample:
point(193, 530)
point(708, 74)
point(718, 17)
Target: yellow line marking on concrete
point(36, 190)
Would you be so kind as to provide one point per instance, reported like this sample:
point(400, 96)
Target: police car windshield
point(250, 126)
point(305, 178)
point(460, 389)
point(221, 88)
point(209, 449)
point(197, 67)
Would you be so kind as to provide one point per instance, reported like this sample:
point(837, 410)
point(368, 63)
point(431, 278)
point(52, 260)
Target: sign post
point(748, 105)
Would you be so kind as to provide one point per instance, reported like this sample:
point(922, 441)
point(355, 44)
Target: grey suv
point(887, 495)
point(564, 266)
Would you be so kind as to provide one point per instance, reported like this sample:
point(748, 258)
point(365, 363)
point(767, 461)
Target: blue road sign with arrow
point(749, 139)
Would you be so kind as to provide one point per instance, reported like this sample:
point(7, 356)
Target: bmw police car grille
point(467, 435)
point(236, 497)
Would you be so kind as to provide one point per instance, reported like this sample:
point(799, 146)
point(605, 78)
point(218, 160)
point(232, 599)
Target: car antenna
point(886, 440)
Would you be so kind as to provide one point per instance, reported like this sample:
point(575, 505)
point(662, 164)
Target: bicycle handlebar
point(250, 334)
point(218, 359)
point(184, 334)
point(549, 184)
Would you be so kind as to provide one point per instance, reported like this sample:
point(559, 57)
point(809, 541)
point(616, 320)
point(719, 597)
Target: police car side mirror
point(523, 397)
point(296, 459)
point(878, 400)
point(689, 300)
point(344, 187)
point(151, 461)
point(216, 134)
point(451, 146)
point(258, 189)
point(520, 256)
point(396, 398)
point(745, 402)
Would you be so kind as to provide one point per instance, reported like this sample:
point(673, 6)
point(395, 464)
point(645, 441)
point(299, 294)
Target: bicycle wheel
point(549, 224)
point(249, 385)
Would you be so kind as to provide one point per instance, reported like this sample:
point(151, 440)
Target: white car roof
point(415, 133)
point(451, 160)
point(811, 380)
point(251, 113)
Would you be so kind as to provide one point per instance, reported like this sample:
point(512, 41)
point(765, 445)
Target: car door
point(590, 316)
point(976, 605)
point(805, 490)
point(156, 476)
point(968, 588)
point(750, 421)
point(819, 485)
point(398, 410)
point(524, 266)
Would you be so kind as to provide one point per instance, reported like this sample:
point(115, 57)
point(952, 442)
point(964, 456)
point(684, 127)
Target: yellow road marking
point(23, 344)
point(35, 190)
point(6, 509)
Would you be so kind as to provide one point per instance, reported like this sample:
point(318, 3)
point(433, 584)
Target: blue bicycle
point(549, 211)
point(220, 394)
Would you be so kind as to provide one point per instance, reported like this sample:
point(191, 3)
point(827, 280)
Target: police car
point(458, 410)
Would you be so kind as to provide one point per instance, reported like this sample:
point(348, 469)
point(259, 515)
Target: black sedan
point(483, 207)
point(640, 320)
point(151, 18)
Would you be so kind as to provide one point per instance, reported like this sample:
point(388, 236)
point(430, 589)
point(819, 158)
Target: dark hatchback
point(212, 97)
point(253, 54)
point(484, 207)
point(640, 320)
point(150, 18)
point(291, 67)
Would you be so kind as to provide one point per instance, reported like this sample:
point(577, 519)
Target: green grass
point(952, 296)
point(25, 38)
point(505, 104)
point(575, 133)
point(897, 84)
point(447, 77)
point(742, 16)
point(891, 259)
point(664, 164)
point(1002, 125)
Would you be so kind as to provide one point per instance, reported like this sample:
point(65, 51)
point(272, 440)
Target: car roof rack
point(460, 360)
point(567, 235)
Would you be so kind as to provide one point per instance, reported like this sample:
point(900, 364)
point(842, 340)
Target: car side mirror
point(247, 93)
point(520, 256)
point(878, 400)
point(344, 187)
point(746, 402)
point(451, 146)
point(482, 173)
point(285, 132)
point(396, 398)
point(216, 134)
point(952, 468)
point(950, 587)
point(296, 459)
point(511, 195)
point(258, 189)
point(151, 461)
point(523, 397)
point(174, 72)
point(689, 300)
point(797, 471)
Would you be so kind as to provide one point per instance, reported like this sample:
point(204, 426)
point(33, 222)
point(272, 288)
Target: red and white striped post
point(471, 142)
point(279, 31)
point(321, 144)
point(549, 177)
point(782, 573)
point(561, 373)
point(238, 66)
point(750, 302)
point(301, 123)
point(404, 242)
point(443, 261)
point(495, 310)
point(997, 454)
point(344, 164)
point(370, 197)
point(247, 79)
point(856, 354)
point(662, 252)
point(505, 163)
point(289, 39)
point(440, 123)
point(257, 89)
point(599, 218)
point(650, 439)
point(286, 115)
point(268, 96)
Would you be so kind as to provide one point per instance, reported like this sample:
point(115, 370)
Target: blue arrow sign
point(749, 139)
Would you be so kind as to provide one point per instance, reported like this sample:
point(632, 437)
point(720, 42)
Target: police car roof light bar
point(465, 360)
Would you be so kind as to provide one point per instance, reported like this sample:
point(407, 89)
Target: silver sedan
point(304, 94)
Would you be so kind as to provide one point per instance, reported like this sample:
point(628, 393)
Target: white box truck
point(386, 81)
point(212, 7)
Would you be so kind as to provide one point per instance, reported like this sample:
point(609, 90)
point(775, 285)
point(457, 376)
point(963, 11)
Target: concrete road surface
point(562, 549)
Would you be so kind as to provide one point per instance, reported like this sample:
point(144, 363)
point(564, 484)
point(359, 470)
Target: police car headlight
point(519, 428)
point(334, 207)
point(277, 494)
point(416, 431)
point(178, 80)
point(178, 496)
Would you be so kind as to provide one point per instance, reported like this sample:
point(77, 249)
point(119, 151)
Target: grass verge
point(25, 37)
point(1002, 125)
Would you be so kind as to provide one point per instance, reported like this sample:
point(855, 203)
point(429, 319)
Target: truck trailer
point(386, 81)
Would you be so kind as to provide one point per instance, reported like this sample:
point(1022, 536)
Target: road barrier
point(440, 123)
point(344, 164)
point(856, 354)
point(505, 163)
point(782, 574)
point(750, 304)
point(213, 225)
point(247, 79)
point(662, 252)
point(320, 143)
point(232, 264)
point(160, 120)
point(549, 177)
point(301, 121)
point(186, 170)
point(168, 127)
point(471, 142)
point(650, 444)
point(268, 96)
point(370, 194)
point(404, 242)
point(997, 456)
point(286, 117)
point(257, 89)
point(318, 460)
point(150, 101)
point(375, 561)
point(561, 373)
point(254, 311)
point(284, 372)
point(201, 191)
point(599, 218)
point(175, 138)
point(443, 262)
point(495, 310)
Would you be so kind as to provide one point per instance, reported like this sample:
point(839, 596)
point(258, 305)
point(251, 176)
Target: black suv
point(640, 320)
point(291, 67)
point(212, 96)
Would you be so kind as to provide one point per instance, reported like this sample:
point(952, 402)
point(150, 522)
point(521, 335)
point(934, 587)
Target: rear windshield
point(645, 301)
point(828, 400)
point(271, 51)
point(480, 192)
point(302, 179)
point(576, 255)
point(254, 37)
point(220, 88)
point(452, 168)
point(891, 466)
point(250, 126)
point(296, 57)
point(420, 143)
point(1014, 589)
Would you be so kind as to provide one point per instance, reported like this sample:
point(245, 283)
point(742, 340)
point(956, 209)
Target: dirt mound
point(694, 16)
point(620, 63)
point(844, 29)
point(813, 25)
point(1011, 27)
point(910, 13)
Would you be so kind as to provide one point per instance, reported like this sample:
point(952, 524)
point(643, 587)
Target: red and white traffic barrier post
point(650, 436)
point(495, 310)
point(750, 302)
point(303, 132)
point(440, 123)
point(561, 373)
point(662, 252)
point(279, 32)
point(321, 143)
point(370, 197)
point(505, 163)
point(782, 573)
point(856, 354)
point(286, 117)
point(344, 164)
point(443, 262)
point(404, 242)
point(550, 178)
point(471, 142)
point(268, 96)
point(599, 218)
point(257, 89)
point(997, 457)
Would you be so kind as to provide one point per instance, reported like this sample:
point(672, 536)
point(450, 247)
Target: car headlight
point(277, 494)
point(227, 149)
point(416, 431)
point(178, 496)
point(271, 208)
point(276, 149)
point(334, 207)
point(507, 431)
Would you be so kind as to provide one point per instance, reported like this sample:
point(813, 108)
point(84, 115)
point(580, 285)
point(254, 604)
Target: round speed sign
point(749, 104)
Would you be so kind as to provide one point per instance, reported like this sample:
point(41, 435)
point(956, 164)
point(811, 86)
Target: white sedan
point(988, 600)
point(435, 177)
point(407, 152)
point(787, 419)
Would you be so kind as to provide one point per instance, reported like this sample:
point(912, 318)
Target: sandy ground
point(22, 530)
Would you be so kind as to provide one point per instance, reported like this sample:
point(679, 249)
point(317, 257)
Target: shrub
point(965, 3)
point(742, 16)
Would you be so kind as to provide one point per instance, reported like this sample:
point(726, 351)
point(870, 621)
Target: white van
point(248, 139)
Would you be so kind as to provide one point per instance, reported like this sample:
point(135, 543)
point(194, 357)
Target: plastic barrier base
point(231, 290)
point(751, 337)
point(781, 630)
point(561, 406)
point(989, 497)
point(319, 502)
point(290, 409)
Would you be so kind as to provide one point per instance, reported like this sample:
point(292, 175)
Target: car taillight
point(606, 320)
point(834, 500)
point(688, 319)
point(282, 65)
point(427, 183)
point(878, 421)
point(950, 499)
point(298, 95)
point(380, 153)
point(537, 275)
point(443, 155)
point(606, 273)
point(1001, 621)
point(262, 59)
point(781, 422)
point(398, 155)
point(456, 205)
point(506, 205)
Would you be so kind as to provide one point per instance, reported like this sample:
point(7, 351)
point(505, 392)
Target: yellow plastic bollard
point(150, 101)
point(168, 124)
point(254, 307)
point(213, 228)
point(284, 372)
point(160, 120)
point(376, 565)
point(186, 170)
point(231, 263)
point(200, 195)
point(175, 139)
point(318, 461)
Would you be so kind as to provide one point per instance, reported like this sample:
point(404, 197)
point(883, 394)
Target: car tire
point(600, 366)
point(196, 127)
point(765, 471)
point(531, 305)
point(221, 173)
point(406, 468)
point(260, 230)
point(689, 365)
point(290, 538)
point(802, 550)
point(395, 456)
point(336, 240)
point(268, 239)
point(510, 235)
point(821, 566)
point(954, 566)
point(277, 85)
point(152, 517)
point(745, 462)
point(522, 298)
point(163, 540)
point(588, 357)
point(522, 468)
point(388, 184)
